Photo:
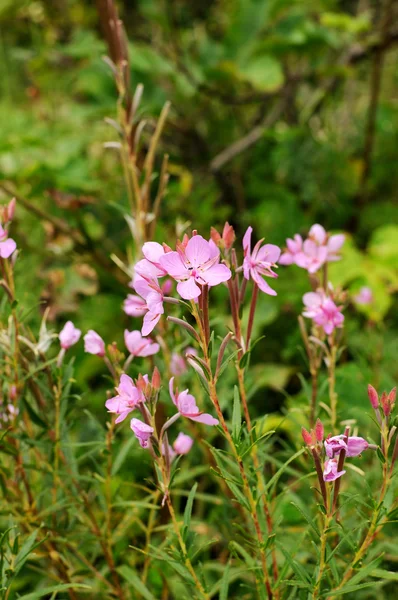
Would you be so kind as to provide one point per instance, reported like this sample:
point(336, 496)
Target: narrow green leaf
point(236, 415)
point(189, 505)
point(122, 455)
point(283, 468)
point(131, 576)
point(347, 589)
point(307, 518)
point(56, 588)
point(225, 583)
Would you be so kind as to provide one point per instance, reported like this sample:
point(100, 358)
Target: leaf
point(225, 582)
point(264, 73)
point(347, 589)
point(188, 508)
point(275, 478)
point(307, 518)
point(296, 567)
point(122, 455)
point(131, 576)
point(236, 415)
point(56, 588)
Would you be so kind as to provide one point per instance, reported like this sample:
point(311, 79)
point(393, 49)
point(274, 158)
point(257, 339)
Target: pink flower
point(364, 296)
point(353, 447)
point(142, 431)
point(94, 344)
point(7, 245)
point(183, 443)
point(148, 288)
point(69, 335)
point(330, 471)
point(259, 263)
point(134, 306)
point(293, 248)
point(178, 365)
point(323, 311)
point(312, 256)
point(150, 264)
point(129, 396)
point(196, 264)
point(318, 248)
point(138, 345)
point(186, 406)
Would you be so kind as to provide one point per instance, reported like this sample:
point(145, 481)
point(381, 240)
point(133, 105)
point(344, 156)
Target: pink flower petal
point(174, 266)
point(197, 250)
point(216, 274)
point(188, 289)
point(204, 418)
point(7, 248)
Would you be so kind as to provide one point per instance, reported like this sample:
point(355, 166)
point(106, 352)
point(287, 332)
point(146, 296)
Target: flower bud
point(156, 380)
point(228, 235)
point(319, 430)
point(391, 398)
point(307, 437)
point(373, 396)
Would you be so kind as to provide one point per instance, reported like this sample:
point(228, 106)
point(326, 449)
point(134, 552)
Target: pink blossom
point(183, 443)
point(186, 406)
point(196, 264)
point(353, 447)
point(138, 345)
point(259, 263)
point(150, 264)
point(293, 248)
point(148, 288)
point(178, 365)
point(312, 256)
point(323, 311)
point(94, 344)
point(364, 296)
point(142, 431)
point(69, 335)
point(7, 245)
point(318, 248)
point(134, 306)
point(129, 396)
point(330, 471)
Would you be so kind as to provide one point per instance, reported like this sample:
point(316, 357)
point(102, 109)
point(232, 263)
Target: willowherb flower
point(186, 406)
point(323, 311)
point(330, 471)
point(94, 344)
point(69, 335)
point(7, 245)
point(138, 345)
point(193, 265)
point(353, 446)
point(315, 251)
point(149, 289)
point(364, 296)
point(259, 262)
point(150, 264)
point(142, 431)
point(183, 443)
point(134, 306)
point(129, 396)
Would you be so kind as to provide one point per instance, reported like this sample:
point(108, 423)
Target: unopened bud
point(228, 236)
point(10, 210)
point(373, 396)
point(385, 404)
point(391, 398)
point(319, 430)
point(156, 380)
point(215, 236)
point(307, 437)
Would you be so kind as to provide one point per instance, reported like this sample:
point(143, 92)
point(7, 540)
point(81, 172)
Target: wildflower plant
point(171, 488)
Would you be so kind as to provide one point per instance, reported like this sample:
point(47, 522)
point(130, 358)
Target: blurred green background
point(284, 113)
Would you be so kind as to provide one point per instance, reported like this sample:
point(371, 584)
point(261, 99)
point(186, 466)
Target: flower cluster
point(323, 311)
point(311, 254)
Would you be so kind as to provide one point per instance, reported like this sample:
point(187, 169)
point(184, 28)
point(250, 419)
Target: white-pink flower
point(94, 344)
point(259, 262)
point(129, 396)
point(183, 443)
point(186, 406)
point(7, 245)
point(138, 345)
point(318, 248)
point(323, 311)
point(331, 471)
point(149, 289)
point(134, 306)
point(69, 335)
point(142, 431)
point(196, 264)
point(364, 296)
